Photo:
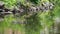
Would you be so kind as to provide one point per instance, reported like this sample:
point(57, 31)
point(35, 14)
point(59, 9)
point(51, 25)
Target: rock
point(1, 10)
point(18, 22)
point(6, 13)
point(51, 6)
point(33, 9)
point(1, 4)
point(38, 8)
point(14, 22)
point(57, 19)
point(6, 9)
point(14, 11)
point(1, 19)
point(47, 6)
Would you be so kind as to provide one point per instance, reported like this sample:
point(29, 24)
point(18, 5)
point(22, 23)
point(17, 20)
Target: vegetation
point(29, 21)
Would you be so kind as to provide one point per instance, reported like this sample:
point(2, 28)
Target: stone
point(1, 19)
point(1, 4)
point(6, 12)
point(1, 10)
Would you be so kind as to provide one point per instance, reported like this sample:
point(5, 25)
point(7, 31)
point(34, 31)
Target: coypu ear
point(1, 5)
